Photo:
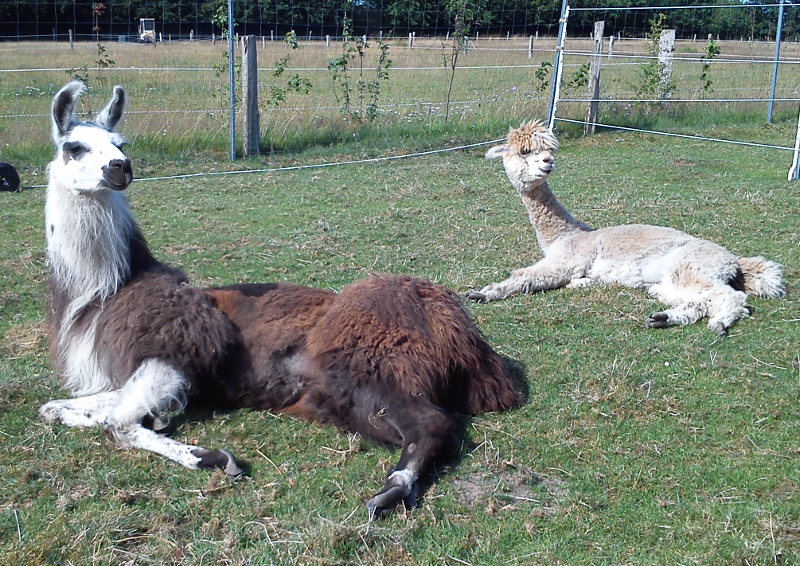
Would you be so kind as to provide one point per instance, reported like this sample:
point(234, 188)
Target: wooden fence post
point(594, 78)
point(666, 47)
point(71, 44)
point(530, 47)
point(250, 96)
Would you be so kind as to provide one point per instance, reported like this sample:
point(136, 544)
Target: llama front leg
point(91, 410)
point(135, 436)
point(155, 387)
point(541, 276)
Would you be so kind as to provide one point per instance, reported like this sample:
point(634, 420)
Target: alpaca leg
point(685, 313)
point(721, 303)
point(155, 387)
point(726, 307)
point(543, 275)
point(91, 410)
point(422, 429)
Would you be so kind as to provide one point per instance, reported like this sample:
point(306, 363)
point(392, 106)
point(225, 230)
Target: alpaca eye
point(525, 152)
point(75, 149)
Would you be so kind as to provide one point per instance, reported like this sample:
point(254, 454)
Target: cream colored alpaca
point(694, 277)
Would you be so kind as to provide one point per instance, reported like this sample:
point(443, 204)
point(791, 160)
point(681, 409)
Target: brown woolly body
point(298, 349)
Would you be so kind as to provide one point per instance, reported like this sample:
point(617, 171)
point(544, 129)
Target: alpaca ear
point(111, 115)
point(496, 151)
point(63, 108)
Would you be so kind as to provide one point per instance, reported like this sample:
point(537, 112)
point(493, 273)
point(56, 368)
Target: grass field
point(634, 447)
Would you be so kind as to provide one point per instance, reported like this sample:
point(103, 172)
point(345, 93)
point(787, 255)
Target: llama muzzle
point(118, 174)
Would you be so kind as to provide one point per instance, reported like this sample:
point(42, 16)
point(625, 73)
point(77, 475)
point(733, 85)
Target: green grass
point(634, 447)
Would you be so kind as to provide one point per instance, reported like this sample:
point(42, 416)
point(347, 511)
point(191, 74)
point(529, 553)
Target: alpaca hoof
point(384, 502)
point(657, 320)
point(476, 296)
point(719, 329)
point(218, 459)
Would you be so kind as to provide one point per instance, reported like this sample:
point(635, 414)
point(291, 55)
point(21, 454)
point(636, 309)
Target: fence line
point(381, 159)
point(665, 73)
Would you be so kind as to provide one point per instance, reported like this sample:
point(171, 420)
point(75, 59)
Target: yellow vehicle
point(147, 30)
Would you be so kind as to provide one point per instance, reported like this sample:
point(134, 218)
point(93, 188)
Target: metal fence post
point(778, 30)
point(555, 88)
point(794, 171)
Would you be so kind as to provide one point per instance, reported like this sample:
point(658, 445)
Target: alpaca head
point(89, 157)
point(528, 154)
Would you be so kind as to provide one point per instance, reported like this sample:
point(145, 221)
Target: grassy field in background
point(179, 91)
point(634, 447)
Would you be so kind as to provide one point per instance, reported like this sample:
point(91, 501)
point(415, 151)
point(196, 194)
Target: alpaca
point(692, 276)
point(391, 357)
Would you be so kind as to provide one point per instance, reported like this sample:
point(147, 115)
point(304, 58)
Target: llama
point(391, 357)
point(692, 276)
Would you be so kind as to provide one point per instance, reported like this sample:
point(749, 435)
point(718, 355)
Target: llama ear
point(63, 108)
point(111, 115)
point(496, 151)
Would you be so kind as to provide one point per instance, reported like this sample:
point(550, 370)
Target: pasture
point(635, 446)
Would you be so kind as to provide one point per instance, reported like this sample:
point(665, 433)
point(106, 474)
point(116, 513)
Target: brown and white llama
point(390, 357)
point(694, 277)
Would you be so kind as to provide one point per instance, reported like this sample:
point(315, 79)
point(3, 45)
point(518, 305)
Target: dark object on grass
point(9, 178)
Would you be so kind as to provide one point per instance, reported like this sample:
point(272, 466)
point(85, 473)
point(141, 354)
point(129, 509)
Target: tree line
point(43, 18)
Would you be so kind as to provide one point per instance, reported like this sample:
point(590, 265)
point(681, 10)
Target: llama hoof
point(384, 502)
point(50, 413)
point(221, 459)
point(476, 296)
point(657, 320)
point(157, 424)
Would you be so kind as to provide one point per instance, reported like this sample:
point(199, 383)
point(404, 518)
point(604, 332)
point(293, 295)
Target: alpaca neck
point(88, 243)
point(548, 216)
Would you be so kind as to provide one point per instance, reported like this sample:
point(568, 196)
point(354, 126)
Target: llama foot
point(157, 424)
point(400, 486)
point(218, 459)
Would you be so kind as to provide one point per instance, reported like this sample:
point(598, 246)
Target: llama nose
point(118, 174)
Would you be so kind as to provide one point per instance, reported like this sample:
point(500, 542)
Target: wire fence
point(178, 88)
point(672, 87)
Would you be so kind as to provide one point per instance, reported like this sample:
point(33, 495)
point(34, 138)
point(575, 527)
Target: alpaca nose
point(118, 174)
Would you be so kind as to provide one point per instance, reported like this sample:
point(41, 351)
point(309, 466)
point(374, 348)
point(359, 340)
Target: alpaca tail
point(762, 277)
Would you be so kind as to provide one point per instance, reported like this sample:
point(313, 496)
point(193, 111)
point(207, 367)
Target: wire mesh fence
point(721, 68)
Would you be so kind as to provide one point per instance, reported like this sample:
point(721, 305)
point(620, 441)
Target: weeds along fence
point(179, 90)
point(648, 72)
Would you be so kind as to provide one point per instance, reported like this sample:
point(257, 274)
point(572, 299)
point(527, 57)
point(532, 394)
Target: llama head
point(89, 156)
point(528, 154)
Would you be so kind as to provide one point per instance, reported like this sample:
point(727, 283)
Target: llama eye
point(75, 149)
